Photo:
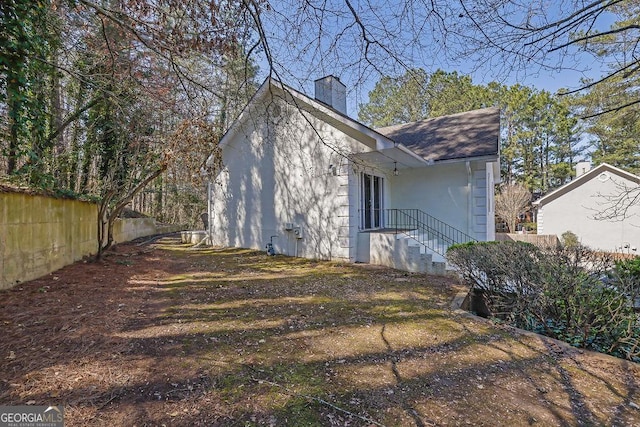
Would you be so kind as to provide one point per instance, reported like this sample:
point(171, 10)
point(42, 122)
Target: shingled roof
point(470, 134)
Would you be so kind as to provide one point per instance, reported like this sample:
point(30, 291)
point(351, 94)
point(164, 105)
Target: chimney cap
point(329, 76)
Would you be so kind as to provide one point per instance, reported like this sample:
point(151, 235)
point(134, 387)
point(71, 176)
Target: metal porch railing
point(425, 229)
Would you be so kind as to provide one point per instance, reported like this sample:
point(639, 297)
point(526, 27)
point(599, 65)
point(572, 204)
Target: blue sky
point(309, 43)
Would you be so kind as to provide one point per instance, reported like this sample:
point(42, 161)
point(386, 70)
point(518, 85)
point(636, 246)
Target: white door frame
point(371, 201)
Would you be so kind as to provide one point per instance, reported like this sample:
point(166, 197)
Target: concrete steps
point(439, 261)
point(410, 256)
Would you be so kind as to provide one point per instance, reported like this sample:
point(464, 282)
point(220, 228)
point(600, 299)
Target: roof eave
point(234, 126)
point(576, 182)
point(486, 157)
point(411, 153)
point(382, 141)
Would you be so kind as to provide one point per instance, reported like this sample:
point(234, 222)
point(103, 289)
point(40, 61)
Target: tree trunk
point(13, 107)
point(108, 218)
point(103, 218)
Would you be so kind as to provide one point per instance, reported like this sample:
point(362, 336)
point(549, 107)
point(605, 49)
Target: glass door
point(371, 201)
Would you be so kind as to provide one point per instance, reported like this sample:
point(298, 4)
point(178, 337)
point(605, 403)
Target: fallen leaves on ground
point(160, 334)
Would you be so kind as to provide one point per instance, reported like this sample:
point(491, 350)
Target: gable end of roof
point(582, 179)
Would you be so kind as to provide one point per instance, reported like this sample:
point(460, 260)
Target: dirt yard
point(158, 334)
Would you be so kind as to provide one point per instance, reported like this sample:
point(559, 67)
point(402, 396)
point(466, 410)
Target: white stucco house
point(597, 207)
point(298, 172)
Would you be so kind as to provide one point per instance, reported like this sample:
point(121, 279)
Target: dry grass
point(164, 335)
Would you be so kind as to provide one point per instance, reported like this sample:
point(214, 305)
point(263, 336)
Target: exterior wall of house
point(575, 211)
point(488, 208)
point(455, 193)
point(277, 171)
point(286, 179)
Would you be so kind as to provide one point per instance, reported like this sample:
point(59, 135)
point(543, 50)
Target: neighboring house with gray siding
point(595, 207)
point(297, 171)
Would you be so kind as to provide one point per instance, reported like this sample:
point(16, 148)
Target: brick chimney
point(331, 91)
point(582, 168)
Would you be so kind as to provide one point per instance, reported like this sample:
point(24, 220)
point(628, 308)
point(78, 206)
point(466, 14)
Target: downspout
point(469, 197)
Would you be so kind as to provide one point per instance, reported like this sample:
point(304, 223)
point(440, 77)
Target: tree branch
point(592, 36)
point(73, 117)
point(611, 110)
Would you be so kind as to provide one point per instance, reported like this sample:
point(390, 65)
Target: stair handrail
point(407, 221)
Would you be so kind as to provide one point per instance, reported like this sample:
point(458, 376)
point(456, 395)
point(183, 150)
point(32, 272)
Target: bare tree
point(511, 201)
point(529, 37)
point(499, 38)
point(617, 205)
point(300, 40)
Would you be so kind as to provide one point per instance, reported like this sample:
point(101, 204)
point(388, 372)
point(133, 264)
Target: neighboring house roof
point(593, 173)
point(470, 134)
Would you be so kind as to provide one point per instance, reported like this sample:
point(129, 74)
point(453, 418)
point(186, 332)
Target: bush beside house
point(569, 292)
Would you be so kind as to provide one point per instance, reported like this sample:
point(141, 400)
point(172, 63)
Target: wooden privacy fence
point(540, 240)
